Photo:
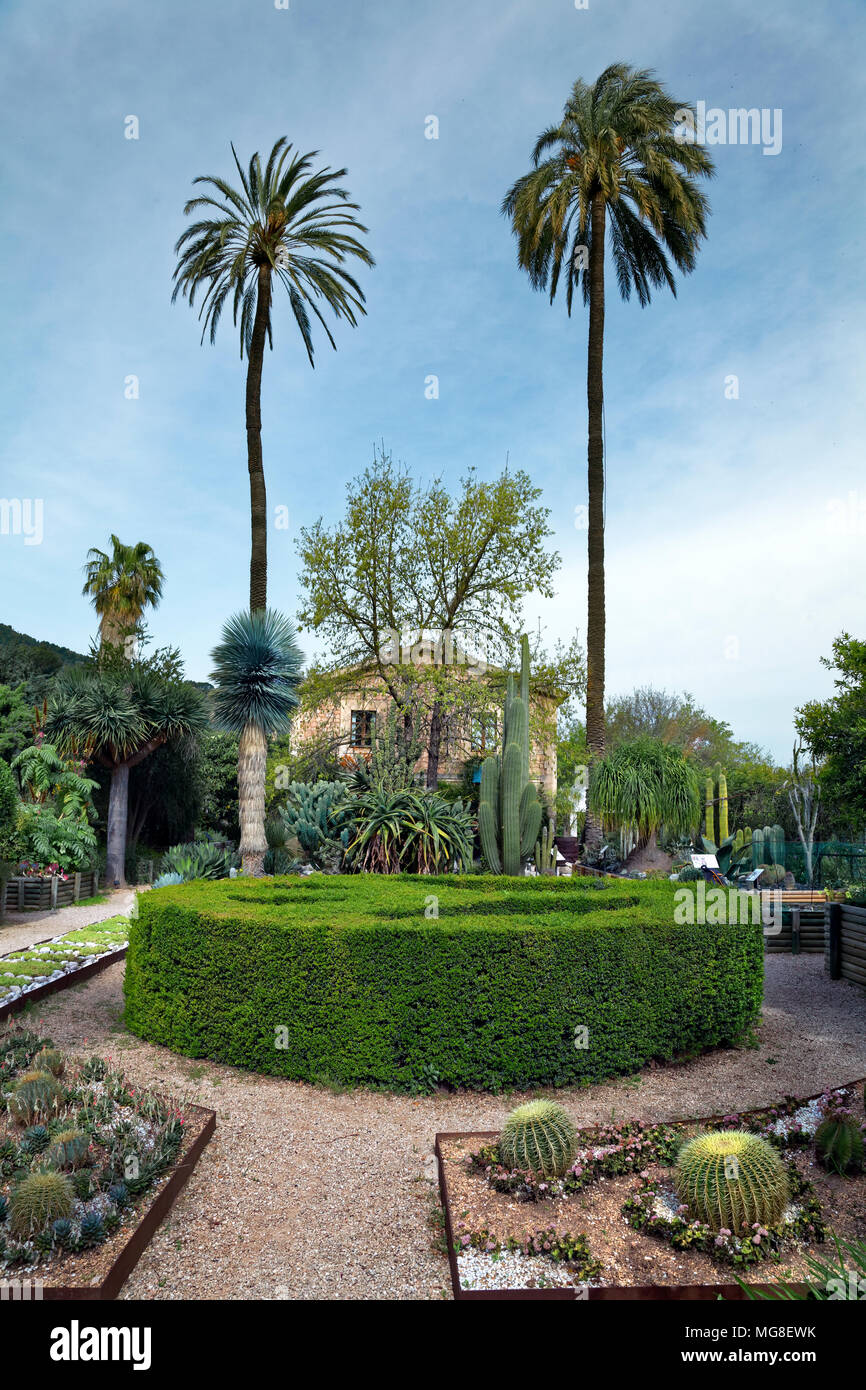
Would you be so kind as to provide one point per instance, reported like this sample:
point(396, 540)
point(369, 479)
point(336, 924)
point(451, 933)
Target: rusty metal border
point(72, 977)
point(131, 1252)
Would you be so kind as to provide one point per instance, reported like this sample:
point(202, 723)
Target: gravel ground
point(22, 929)
point(306, 1193)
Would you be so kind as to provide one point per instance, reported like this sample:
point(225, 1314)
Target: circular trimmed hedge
point(411, 982)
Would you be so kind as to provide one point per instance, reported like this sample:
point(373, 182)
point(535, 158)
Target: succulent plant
point(92, 1229)
point(167, 881)
point(94, 1069)
point(545, 850)
point(50, 1059)
point(69, 1148)
point(9, 1157)
point(773, 876)
point(538, 1137)
point(509, 811)
point(839, 1143)
point(35, 1139)
point(119, 1194)
point(37, 1201)
point(36, 1096)
point(731, 1179)
point(82, 1183)
point(4, 1208)
point(63, 1233)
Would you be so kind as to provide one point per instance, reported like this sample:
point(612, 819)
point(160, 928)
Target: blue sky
point(735, 527)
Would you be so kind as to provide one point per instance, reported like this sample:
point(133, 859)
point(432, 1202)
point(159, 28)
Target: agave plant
point(200, 860)
point(257, 671)
point(408, 831)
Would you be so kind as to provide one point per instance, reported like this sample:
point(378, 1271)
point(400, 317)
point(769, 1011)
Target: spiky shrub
point(69, 1148)
point(201, 859)
point(50, 1059)
point(731, 1179)
point(538, 1137)
point(37, 1201)
point(839, 1143)
point(36, 1096)
point(35, 1139)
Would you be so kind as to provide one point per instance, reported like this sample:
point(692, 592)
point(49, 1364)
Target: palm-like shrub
point(644, 785)
point(257, 671)
point(410, 831)
point(538, 1137)
point(731, 1179)
point(38, 1201)
point(117, 714)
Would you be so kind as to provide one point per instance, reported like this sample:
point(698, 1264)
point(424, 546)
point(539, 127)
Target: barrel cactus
point(539, 1138)
point(49, 1059)
point(839, 1143)
point(37, 1095)
point(731, 1179)
point(69, 1148)
point(37, 1201)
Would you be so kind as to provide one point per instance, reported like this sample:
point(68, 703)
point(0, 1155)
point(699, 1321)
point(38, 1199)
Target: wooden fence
point(43, 894)
point(845, 947)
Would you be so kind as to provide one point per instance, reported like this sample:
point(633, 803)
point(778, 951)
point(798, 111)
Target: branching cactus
point(307, 817)
point(839, 1143)
point(509, 811)
point(37, 1201)
point(539, 1138)
point(731, 1179)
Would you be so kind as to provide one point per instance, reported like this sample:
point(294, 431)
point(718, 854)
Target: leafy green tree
point(421, 589)
point(287, 224)
point(16, 720)
point(257, 670)
point(54, 821)
point(614, 165)
point(218, 780)
point(122, 584)
point(118, 714)
point(834, 730)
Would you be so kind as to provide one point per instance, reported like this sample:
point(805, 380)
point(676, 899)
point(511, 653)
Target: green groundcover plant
point(410, 983)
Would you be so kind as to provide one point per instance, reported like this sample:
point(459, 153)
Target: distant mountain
point(42, 656)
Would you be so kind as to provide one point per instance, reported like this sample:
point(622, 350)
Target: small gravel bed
point(22, 929)
point(306, 1193)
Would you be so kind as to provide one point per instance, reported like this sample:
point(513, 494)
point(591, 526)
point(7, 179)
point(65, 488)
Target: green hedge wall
point(487, 994)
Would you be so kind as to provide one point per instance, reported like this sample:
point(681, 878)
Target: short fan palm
point(287, 224)
point(257, 671)
point(613, 164)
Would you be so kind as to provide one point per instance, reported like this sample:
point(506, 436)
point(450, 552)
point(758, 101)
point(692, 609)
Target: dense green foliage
point(466, 981)
point(643, 785)
point(835, 732)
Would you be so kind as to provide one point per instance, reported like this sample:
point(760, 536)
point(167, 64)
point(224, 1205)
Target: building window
point(363, 728)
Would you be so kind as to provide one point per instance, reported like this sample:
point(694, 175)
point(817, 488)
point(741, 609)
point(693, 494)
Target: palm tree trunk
point(118, 805)
point(595, 479)
point(258, 494)
point(252, 766)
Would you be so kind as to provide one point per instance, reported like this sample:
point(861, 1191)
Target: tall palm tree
point(284, 223)
point(257, 671)
point(616, 160)
point(121, 586)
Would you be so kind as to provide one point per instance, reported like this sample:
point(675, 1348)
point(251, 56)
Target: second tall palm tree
point(616, 162)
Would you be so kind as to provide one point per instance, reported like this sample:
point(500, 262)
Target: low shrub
point(407, 983)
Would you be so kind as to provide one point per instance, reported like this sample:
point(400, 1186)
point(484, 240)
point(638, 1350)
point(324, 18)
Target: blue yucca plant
point(257, 671)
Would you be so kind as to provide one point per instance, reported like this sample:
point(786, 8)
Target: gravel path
point(22, 929)
point(304, 1193)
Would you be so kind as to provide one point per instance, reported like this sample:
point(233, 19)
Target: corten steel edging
point(130, 1254)
point(72, 977)
point(610, 1292)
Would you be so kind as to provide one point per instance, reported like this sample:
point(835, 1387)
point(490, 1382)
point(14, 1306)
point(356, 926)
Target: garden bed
point(115, 1160)
point(36, 971)
point(614, 1228)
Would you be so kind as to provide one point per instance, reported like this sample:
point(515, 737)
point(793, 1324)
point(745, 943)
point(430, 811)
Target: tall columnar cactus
point(731, 1179)
point(716, 791)
point(710, 809)
point(757, 848)
point(722, 779)
point(509, 811)
point(545, 850)
point(538, 1138)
